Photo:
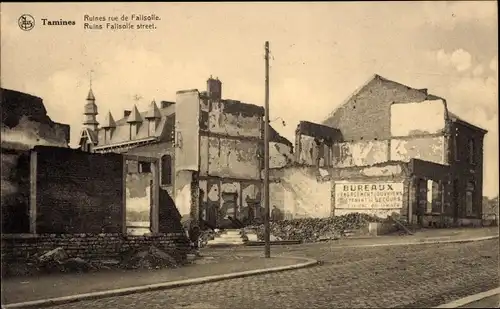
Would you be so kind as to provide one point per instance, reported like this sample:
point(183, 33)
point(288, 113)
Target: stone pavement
point(348, 265)
point(16, 290)
point(415, 276)
point(457, 232)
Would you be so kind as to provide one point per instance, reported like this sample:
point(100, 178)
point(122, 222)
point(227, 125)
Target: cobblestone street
point(400, 276)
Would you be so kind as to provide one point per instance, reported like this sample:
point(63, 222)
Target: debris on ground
point(208, 235)
point(77, 265)
point(149, 258)
point(57, 260)
point(17, 269)
point(53, 261)
point(55, 255)
point(317, 229)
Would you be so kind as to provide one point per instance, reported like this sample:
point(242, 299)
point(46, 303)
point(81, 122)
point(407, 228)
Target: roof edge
point(186, 91)
point(455, 118)
point(354, 93)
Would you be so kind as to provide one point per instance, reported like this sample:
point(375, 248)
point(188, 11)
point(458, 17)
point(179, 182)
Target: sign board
point(378, 195)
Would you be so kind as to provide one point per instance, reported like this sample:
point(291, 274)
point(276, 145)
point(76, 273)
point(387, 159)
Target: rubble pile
point(316, 229)
point(53, 261)
point(208, 235)
point(57, 260)
point(150, 258)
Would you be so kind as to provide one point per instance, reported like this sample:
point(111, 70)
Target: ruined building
point(388, 149)
point(210, 149)
point(25, 124)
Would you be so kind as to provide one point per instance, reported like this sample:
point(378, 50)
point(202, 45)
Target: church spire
point(90, 110)
point(90, 95)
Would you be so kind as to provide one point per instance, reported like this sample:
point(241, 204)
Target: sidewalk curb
point(423, 242)
point(159, 286)
point(408, 243)
point(470, 299)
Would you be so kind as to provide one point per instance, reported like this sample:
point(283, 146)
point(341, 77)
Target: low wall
point(20, 248)
point(78, 192)
point(15, 191)
point(381, 228)
point(439, 220)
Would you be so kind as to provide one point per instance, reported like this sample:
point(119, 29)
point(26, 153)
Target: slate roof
point(109, 121)
point(121, 133)
point(135, 116)
point(453, 117)
point(91, 134)
point(153, 111)
point(166, 123)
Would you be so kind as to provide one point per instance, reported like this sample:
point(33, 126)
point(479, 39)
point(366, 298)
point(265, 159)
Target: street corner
point(42, 292)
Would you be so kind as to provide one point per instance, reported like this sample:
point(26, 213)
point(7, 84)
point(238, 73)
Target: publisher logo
point(26, 22)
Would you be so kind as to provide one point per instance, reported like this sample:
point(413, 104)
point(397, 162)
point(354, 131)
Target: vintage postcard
point(234, 155)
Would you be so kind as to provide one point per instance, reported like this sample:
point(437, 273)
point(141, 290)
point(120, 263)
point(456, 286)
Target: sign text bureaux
point(381, 195)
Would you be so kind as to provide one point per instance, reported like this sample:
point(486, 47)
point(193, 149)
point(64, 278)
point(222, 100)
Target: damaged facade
point(57, 197)
point(210, 151)
point(388, 149)
point(25, 124)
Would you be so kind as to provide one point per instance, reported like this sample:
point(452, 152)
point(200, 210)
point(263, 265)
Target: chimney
point(165, 104)
point(126, 113)
point(214, 88)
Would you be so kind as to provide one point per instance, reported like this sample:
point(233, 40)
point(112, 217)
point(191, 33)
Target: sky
point(320, 53)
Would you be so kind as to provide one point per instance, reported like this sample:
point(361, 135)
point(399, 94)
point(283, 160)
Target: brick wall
point(78, 192)
point(88, 246)
point(366, 115)
point(15, 191)
point(462, 170)
point(169, 216)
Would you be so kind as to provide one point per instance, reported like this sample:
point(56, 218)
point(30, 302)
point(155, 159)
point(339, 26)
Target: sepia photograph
point(227, 155)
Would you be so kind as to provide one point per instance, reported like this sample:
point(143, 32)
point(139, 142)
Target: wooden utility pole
point(267, 232)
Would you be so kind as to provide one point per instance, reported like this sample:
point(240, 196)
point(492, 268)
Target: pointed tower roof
point(135, 116)
point(109, 122)
point(153, 111)
point(91, 96)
